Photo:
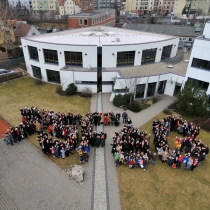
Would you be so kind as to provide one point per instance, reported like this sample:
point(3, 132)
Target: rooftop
point(175, 30)
point(154, 69)
point(100, 36)
point(93, 14)
point(143, 70)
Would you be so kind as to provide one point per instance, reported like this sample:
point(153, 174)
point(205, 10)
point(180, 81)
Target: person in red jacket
point(180, 158)
point(105, 120)
point(131, 163)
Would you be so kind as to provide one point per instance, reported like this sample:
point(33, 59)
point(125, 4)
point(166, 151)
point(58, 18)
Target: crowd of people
point(194, 150)
point(131, 146)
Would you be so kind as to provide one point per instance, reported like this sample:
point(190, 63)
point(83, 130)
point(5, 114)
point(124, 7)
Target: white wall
point(110, 60)
point(201, 50)
point(206, 31)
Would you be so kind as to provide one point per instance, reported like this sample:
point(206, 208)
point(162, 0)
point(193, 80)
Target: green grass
point(24, 93)
point(161, 187)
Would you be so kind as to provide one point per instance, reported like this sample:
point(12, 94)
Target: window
point(140, 90)
point(166, 53)
point(125, 58)
point(203, 85)
point(53, 76)
point(80, 22)
point(151, 89)
point(199, 63)
point(33, 53)
point(169, 2)
point(51, 56)
point(161, 87)
point(36, 72)
point(148, 55)
point(85, 22)
point(73, 58)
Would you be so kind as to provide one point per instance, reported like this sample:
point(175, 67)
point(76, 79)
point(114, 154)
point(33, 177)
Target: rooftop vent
point(117, 40)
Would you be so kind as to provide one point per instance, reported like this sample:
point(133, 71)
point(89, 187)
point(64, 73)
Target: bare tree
point(7, 13)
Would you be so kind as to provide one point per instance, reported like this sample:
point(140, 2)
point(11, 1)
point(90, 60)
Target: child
point(62, 152)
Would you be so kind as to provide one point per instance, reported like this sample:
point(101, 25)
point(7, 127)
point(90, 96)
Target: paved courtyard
point(29, 180)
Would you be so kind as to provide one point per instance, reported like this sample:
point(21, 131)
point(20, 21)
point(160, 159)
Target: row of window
point(199, 63)
point(140, 89)
point(125, 58)
point(52, 76)
point(203, 85)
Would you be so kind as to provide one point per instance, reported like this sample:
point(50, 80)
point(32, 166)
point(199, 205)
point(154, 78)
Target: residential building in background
point(138, 6)
point(67, 7)
point(23, 30)
point(50, 6)
point(168, 6)
point(104, 17)
point(21, 3)
point(193, 7)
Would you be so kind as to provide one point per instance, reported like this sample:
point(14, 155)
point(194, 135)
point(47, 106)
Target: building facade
point(22, 3)
point(168, 6)
point(97, 17)
point(198, 70)
point(103, 59)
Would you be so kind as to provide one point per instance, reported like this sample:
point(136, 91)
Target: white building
point(198, 70)
point(105, 59)
point(22, 3)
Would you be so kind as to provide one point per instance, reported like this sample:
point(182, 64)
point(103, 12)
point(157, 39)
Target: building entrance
point(99, 69)
point(177, 89)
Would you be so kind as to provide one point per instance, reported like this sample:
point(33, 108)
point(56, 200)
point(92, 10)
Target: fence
point(11, 63)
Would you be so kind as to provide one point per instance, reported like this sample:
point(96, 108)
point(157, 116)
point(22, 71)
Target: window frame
point(148, 55)
point(73, 58)
point(125, 58)
point(54, 74)
point(37, 73)
point(32, 52)
point(52, 56)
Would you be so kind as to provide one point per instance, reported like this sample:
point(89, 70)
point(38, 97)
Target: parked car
point(55, 30)
point(49, 30)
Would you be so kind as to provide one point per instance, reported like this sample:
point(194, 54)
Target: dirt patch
point(3, 126)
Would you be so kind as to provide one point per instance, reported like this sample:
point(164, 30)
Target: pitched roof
point(22, 29)
point(60, 2)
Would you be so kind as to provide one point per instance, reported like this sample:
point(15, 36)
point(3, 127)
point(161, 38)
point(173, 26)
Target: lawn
point(24, 93)
point(161, 187)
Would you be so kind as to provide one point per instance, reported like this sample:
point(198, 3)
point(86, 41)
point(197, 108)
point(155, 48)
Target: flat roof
point(153, 69)
point(96, 12)
point(99, 36)
point(174, 30)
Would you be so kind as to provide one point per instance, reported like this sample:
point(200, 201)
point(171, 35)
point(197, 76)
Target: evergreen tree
point(193, 100)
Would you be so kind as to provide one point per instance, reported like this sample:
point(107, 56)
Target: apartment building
point(168, 6)
point(22, 3)
point(45, 5)
point(200, 7)
point(67, 7)
point(137, 6)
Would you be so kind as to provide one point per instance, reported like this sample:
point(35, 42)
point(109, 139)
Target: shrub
point(59, 90)
point(166, 111)
point(71, 89)
point(134, 107)
point(119, 100)
point(154, 100)
point(86, 92)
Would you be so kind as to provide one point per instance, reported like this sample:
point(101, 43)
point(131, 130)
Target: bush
point(166, 111)
point(71, 89)
point(119, 100)
point(134, 107)
point(59, 90)
point(154, 100)
point(86, 92)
